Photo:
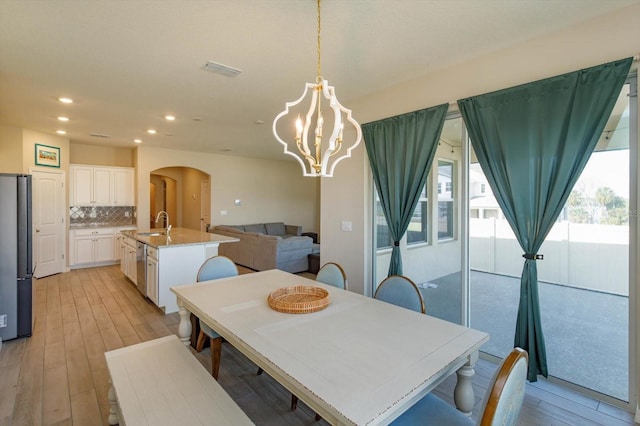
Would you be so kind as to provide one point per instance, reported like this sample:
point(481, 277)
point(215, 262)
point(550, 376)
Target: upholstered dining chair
point(401, 291)
point(501, 404)
point(212, 269)
point(331, 273)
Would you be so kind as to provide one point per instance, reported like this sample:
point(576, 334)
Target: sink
point(152, 234)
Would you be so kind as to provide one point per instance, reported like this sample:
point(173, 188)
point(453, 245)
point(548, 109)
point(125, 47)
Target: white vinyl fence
point(579, 255)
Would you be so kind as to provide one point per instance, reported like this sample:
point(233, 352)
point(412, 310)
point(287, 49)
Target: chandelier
point(319, 156)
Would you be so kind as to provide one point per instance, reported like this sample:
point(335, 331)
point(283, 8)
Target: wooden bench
point(160, 382)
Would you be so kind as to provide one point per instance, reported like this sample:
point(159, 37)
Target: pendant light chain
point(319, 79)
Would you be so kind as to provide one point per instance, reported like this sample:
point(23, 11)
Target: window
point(383, 238)
point(483, 188)
point(445, 200)
point(417, 230)
point(491, 213)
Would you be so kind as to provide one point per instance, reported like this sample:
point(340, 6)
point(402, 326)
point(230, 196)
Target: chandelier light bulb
point(298, 128)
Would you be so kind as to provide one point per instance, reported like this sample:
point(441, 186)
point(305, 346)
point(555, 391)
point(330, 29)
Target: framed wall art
point(47, 156)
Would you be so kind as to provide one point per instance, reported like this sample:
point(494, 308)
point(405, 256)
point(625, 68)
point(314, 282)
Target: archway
point(179, 192)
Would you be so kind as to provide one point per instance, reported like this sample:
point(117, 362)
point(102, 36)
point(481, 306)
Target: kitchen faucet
point(166, 215)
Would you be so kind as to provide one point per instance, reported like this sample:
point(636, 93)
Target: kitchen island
point(156, 261)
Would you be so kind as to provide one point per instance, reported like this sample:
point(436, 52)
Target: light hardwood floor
point(58, 376)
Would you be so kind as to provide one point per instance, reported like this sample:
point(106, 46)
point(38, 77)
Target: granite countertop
point(177, 237)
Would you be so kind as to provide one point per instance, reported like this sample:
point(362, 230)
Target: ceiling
point(128, 64)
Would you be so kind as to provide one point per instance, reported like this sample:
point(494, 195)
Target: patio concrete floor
point(586, 332)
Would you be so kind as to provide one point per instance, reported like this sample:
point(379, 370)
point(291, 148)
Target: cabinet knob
point(37, 230)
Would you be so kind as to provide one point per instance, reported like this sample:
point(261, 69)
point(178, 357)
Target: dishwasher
point(141, 268)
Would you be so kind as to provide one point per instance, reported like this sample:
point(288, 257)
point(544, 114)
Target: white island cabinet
point(152, 274)
point(174, 260)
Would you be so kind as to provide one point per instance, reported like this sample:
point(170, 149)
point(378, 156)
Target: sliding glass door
point(463, 256)
point(584, 279)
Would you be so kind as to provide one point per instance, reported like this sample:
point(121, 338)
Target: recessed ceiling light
point(61, 132)
point(169, 117)
point(137, 140)
point(66, 100)
point(151, 131)
point(61, 118)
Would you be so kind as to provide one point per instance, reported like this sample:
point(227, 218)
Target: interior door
point(205, 204)
point(48, 222)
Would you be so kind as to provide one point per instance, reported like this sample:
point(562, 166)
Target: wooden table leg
point(184, 328)
point(463, 394)
point(113, 406)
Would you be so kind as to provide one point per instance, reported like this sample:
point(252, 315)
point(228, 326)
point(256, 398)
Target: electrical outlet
point(3, 321)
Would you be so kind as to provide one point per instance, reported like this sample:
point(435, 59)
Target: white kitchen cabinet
point(96, 246)
point(123, 256)
point(101, 186)
point(123, 187)
point(128, 259)
point(103, 248)
point(81, 185)
point(117, 241)
point(90, 186)
point(82, 247)
point(89, 246)
point(152, 275)
point(117, 249)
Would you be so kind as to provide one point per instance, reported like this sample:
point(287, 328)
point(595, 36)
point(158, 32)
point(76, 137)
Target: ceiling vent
point(221, 69)
point(99, 135)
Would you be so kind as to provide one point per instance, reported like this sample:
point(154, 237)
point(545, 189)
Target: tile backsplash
point(100, 216)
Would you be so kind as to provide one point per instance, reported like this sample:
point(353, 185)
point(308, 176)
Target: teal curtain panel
point(401, 150)
point(532, 142)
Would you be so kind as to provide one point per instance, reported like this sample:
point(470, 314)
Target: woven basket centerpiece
point(299, 299)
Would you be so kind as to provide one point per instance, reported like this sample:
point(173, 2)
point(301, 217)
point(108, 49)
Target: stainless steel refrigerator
point(16, 301)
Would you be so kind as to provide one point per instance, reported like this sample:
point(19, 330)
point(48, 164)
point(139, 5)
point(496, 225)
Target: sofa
point(265, 246)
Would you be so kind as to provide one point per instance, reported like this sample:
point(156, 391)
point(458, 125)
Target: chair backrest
point(503, 400)
point(401, 291)
point(217, 267)
point(331, 273)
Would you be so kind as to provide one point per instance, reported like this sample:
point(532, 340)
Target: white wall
point(10, 149)
point(270, 190)
point(343, 201)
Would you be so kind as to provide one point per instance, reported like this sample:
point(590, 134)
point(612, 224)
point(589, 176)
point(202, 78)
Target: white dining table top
point(359, 361)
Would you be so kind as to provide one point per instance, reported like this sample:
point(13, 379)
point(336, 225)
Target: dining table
point(357, 361)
